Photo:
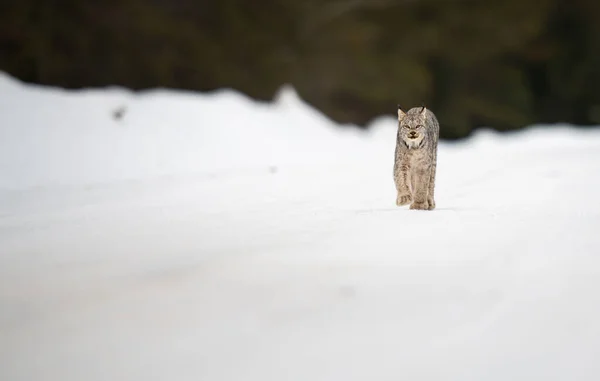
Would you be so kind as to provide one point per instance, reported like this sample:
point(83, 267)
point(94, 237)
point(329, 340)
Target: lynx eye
point(419, 126)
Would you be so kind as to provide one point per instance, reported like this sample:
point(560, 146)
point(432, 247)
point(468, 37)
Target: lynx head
point(411, 126)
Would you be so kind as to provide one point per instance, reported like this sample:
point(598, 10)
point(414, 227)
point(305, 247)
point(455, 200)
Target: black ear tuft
point(399, 108)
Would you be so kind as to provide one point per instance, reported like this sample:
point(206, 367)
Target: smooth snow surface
point(209, 238)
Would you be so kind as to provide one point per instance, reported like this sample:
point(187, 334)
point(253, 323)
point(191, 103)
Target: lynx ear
point(401, 113)
point(423, 110)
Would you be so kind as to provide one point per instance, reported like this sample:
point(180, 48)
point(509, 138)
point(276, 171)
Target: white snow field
point(208, 237)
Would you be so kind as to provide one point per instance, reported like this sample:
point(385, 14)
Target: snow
point(212, 237)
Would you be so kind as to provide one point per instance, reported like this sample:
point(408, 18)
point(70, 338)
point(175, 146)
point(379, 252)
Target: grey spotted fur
point(416, 158)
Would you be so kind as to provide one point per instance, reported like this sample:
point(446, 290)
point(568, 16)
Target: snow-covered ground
point(210, 237)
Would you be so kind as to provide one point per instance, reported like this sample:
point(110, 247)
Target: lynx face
point(412, 128)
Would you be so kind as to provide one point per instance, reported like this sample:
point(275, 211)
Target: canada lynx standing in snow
point(416, 158)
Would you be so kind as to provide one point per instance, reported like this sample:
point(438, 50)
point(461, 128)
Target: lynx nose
point(412, 134)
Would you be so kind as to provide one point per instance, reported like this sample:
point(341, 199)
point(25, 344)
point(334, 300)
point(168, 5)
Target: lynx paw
point(430, 204)
point(420, 206)
point(403, 199)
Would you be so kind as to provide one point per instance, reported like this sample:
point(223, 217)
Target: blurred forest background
point(503, 64)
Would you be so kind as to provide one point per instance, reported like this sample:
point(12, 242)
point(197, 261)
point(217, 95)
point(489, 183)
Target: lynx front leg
point(401, 174)
point(430, 194)
point(421, 190)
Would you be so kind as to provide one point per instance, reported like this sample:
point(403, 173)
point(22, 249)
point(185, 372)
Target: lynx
point(416, 158)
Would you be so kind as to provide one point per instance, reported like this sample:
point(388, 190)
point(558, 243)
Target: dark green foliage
point(502, 64)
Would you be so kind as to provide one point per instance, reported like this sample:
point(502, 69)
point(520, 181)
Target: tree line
point(501, 64)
